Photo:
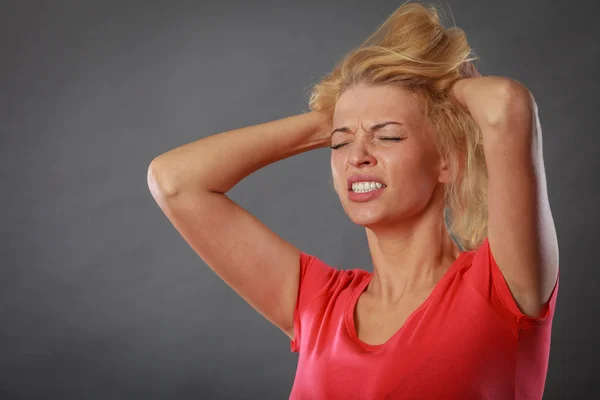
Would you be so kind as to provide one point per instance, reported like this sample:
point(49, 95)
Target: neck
point(409, 256)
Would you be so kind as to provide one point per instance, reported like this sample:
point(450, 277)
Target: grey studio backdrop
point(101, 298)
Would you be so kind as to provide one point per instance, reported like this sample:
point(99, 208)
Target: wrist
point(322, 127)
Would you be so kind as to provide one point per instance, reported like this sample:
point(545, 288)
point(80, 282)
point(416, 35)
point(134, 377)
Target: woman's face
point(368, 119)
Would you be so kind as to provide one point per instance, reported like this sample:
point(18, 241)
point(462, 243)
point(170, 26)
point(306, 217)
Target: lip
point(364, 197)
point(362, 178)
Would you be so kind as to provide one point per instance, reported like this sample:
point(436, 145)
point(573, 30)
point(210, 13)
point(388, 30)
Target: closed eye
point(395, 139)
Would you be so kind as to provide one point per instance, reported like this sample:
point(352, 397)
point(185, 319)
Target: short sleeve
point(488, 279)
point(315, 277)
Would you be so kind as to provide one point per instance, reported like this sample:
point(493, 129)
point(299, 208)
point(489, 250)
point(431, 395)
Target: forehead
point(365, 102)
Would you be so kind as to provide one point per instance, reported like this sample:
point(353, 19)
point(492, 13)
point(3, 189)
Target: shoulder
point(318, 276)
point(482, 272)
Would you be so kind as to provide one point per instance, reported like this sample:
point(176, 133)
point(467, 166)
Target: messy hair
point(412, 49)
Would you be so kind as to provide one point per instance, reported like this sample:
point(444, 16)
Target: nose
point(360, 152)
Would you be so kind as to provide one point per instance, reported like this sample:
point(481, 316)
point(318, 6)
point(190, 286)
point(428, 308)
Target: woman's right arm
point(190, 182)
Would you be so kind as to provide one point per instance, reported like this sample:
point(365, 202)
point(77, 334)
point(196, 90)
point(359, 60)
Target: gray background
point(100, 298)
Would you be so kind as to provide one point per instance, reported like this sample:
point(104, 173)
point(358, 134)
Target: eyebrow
point(373, 128)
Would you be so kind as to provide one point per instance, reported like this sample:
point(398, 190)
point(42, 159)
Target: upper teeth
point(365, 186)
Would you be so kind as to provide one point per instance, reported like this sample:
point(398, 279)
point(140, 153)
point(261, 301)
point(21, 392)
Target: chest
point(375, 325)
point(443, 342)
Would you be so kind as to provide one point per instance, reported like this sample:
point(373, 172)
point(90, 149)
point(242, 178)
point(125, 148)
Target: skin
point(409, 244)
point(521, 230)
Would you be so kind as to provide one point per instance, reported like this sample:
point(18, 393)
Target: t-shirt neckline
point(351, 306)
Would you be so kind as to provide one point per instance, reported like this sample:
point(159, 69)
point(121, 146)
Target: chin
point(365, 218)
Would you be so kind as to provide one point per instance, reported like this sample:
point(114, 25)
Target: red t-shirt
point(468, 340)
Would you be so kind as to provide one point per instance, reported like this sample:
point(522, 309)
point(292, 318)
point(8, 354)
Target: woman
point(415, 132)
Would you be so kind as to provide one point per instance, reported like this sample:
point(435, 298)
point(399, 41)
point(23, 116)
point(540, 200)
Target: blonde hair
point(412, 49)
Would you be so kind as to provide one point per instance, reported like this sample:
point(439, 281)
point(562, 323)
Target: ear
point(445, 174)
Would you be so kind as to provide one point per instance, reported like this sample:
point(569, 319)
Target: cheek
point(414, 173)
point(335, 169)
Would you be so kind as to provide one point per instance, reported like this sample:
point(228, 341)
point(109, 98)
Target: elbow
point(158, 181)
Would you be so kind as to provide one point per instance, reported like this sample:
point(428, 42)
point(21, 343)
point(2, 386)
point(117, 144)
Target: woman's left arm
point(521, 229)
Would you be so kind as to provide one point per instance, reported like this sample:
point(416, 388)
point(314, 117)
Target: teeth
point(362, 187)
